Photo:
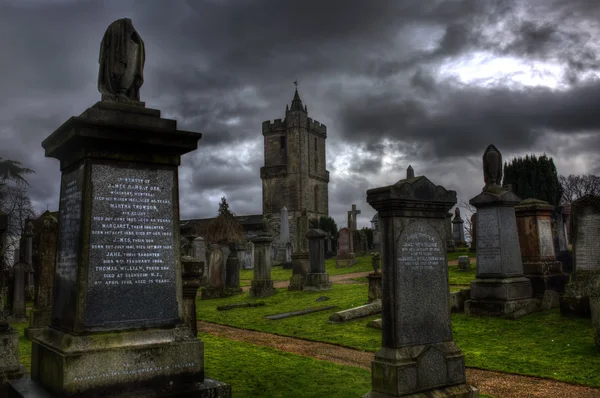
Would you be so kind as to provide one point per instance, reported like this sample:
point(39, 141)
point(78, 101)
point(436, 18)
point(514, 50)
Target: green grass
point(460, 252)
point(524, 346)
point(456, 277)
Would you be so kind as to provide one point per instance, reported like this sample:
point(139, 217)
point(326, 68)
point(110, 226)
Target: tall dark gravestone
point(418, 356)
point(117, 324)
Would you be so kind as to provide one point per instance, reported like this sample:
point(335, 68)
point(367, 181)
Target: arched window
point(316, 197)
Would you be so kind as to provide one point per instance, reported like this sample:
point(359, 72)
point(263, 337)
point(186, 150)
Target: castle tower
point(294, 174)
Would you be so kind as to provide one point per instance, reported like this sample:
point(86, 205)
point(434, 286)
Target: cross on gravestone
point(352, 218)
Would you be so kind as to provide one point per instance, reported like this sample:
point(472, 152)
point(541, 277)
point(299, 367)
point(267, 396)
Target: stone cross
point(352, 218)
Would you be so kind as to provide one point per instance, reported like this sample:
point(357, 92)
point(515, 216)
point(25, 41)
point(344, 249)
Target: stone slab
point(375, 324)
point(300, 312)
point(27, 388)
point(504, 289)
point(351, 314)
point(496, 308)
point(239, 305)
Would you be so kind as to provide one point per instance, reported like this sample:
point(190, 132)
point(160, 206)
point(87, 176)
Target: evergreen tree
point(534, 177)
point(369, 233)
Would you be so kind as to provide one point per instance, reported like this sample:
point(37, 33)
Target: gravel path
point(496, 384)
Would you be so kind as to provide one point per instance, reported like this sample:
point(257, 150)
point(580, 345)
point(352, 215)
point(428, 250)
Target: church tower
point(294, 174)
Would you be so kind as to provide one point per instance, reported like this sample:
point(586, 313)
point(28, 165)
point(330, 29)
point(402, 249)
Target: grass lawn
point(463, 251)
point(542, 344)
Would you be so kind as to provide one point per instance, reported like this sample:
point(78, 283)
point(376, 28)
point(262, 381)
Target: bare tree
point(469, 210)
point(576, 186)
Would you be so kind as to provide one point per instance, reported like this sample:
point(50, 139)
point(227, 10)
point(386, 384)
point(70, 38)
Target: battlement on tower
point(314, 125)
point(271, 127)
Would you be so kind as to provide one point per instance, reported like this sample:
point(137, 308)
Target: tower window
point(282, 142)
point(316, 198)
point(315, 143)
point(316, 163)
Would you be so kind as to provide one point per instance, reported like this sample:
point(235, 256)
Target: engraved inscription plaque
point(545, 238)
point(488, 241)
point(587, 249)
point(68, 247)
point(131, 277)
point(422, 282)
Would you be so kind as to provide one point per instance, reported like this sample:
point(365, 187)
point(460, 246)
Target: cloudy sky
point(428, 83)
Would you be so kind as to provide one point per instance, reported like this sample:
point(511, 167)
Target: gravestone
point(288, 256)
point(10, 368)
point(500, 287)
point(562, 251)
point(317, 279)
point(537, 247)
point(262, 285)
point(39, 316)
point(376, 240)
point(374, 278)
point(300, 259)
point(248, 256)
point(345, 257)
point(199, 249)
point(464, 263)
point(18, 299)
point(418, 355)
point(585, 279)
point(458, 230)
point(450, 243)
point(473, 246)
point(117, 313)
point(191, 277)
point(216, 274)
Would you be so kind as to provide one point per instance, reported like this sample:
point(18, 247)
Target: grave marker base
point(261, 288)
point(317, 282)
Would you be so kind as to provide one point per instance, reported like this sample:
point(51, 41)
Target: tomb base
point(503, 289)
point(297, 282)
point(38, 320)
point(575, 302)
point(115, 363)
point(317, 282)
point(432, 370)
point(497, 308)
point(27, 388)
point(208, 293)
point(261, 288)
point(347, 260)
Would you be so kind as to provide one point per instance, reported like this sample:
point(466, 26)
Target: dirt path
point(496, 384)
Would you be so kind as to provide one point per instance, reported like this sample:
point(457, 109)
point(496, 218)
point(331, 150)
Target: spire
point(296, 102)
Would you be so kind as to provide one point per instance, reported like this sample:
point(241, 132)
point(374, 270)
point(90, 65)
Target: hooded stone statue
point(122, 58)
point(492, 167)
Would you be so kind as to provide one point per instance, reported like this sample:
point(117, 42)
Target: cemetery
point(115, 295)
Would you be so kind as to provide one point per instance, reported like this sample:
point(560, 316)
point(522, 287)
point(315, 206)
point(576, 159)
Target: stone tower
point(294, 174)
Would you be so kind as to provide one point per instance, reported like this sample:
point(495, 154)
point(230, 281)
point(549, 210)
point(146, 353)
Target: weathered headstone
point(458, 230)
point(500, 287)
point(317, 279)
point(374, 278)
point(418, 354)
point(232, 273)
point(345, 257)
point(300, 259)
point(18, 299)
point(191, 277)
point(216, 274)
point(450, 243)
point(537, 247)
point(262, 284)
point(562, 250)
point(473, 246)
point(199, 249)
point(39, 316)
point(10, 368)
point(248, 256)
point(585, 279)
point(464, 263)
point(117, 313)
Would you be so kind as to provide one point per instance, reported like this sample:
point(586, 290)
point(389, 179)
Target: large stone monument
point(300, 259)
point(418, 355)
point(318, 278)
point(117, 313)
point(500, 287)
point(585, 279)
point(537, 247)
point(262, 284)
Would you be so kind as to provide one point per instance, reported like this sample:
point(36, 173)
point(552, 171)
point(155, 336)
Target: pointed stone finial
point(492, 167)
point(410, 173)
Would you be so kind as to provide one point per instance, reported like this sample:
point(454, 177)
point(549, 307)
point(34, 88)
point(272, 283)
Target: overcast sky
point(426, 83)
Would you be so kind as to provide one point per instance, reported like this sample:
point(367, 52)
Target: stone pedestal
point(117, 325)
point(585, 279)
point(317, 279)
point(418, 356)
point(262, 285)
point(374, 286)
point(193, 269)
point(500, 287)
point(10, 368)
point(300, 267)
point(534, 225)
